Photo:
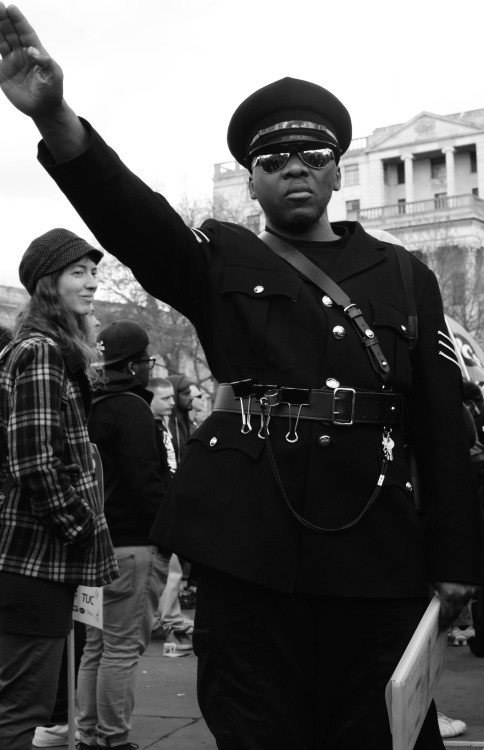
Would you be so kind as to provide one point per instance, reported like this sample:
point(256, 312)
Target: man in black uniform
point(294, 498)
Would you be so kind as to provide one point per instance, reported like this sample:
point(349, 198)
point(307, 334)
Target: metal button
point(404, 328)
point(332, 383)
point(369, 333)
point(325, 441)
point(409, 487)
point(213, 441)
point(327, 301)
point(258, 289)
point(339, 332)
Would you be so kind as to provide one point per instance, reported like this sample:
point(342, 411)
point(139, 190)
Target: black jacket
point(136, 474)
point(258, 318)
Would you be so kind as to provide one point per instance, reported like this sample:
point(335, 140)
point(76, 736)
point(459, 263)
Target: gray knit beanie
point(52, 252)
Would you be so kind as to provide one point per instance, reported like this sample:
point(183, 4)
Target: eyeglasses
point(316, 158)
point(150, 360)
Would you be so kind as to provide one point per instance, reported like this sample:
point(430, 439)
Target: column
point(480, 167)
point(408, 162)
point(375, 194)
point(449, 152)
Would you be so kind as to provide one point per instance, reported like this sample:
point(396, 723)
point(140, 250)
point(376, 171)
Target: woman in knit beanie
point(53, 534)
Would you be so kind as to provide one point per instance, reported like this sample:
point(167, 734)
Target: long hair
point(47, 313)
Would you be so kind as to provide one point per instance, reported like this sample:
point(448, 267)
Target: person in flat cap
point(295, 497)
point(136, 477)
point(53, 532)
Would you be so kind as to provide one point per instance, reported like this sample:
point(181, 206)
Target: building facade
point(421, 181)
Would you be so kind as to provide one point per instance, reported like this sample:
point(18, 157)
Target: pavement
point(460, 695)
point(166, 714)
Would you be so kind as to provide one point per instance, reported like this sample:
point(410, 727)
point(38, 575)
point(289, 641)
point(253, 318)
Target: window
point(352, 174)
point(473, 156)
point(437, 168)
point(352, 209)
point(402, 205)
point(394, 173)
point(475, 191)
point(440, 200)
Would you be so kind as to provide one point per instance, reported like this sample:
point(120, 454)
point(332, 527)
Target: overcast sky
point(160, 79)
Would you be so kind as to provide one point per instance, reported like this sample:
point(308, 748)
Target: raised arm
point(33, 82)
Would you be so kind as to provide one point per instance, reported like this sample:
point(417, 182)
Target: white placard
point(88, 605)
point(414, 681)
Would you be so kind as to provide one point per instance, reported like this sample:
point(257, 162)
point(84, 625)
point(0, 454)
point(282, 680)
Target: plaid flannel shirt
point(55, 502)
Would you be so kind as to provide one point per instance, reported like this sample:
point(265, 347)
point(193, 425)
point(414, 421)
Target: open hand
point(29, 77)
point(453, 597)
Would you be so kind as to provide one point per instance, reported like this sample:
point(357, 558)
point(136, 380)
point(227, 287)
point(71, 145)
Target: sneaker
point(459, 637)
point(52, 736)
point(172, 650)
point(450, 727)
point(180, 638)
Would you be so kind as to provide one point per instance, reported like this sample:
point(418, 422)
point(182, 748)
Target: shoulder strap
point(308, 269)
point(104, 396)
point(405, 264)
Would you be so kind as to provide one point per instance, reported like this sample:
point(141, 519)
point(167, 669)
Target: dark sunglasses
point(151, 361)
point(316, 158)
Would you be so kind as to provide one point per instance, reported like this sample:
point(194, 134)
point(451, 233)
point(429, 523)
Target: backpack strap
point(97, 399)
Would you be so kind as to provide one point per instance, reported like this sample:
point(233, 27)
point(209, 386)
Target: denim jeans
point(107, 675)
point(169, 610)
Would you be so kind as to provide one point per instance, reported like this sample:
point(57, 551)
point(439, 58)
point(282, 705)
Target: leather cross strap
point(318, 277)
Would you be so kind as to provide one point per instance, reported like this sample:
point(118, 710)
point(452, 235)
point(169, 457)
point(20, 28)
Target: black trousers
point(299, 672)
point(60, 713)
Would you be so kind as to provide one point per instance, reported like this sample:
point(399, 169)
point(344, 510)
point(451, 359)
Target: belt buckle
point(336, 397)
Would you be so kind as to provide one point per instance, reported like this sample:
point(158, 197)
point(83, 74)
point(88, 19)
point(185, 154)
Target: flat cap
point(121, 340)
point(52, 252)
point(288, 109)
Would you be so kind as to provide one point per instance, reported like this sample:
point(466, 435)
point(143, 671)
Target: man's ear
point(337, 179)
point(252, 191)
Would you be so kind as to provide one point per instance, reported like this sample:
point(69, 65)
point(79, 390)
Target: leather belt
point(341, 406)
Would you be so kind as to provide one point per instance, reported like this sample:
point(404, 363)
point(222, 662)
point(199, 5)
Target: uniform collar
point(361, 252)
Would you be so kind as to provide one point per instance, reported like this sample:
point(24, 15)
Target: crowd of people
point(294, 501)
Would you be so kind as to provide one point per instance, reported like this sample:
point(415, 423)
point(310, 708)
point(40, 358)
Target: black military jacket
point(257, 318)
